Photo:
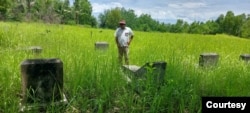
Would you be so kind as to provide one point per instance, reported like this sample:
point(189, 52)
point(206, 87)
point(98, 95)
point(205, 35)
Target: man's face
point(122, 26)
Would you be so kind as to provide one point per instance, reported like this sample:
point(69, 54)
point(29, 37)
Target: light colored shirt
point(123, 35)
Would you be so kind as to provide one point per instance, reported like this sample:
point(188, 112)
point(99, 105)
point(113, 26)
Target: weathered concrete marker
point(208, 59)
point(155, 69)
point(245, 57)
point(42, 83)
point(101, 45)
point(36, 49)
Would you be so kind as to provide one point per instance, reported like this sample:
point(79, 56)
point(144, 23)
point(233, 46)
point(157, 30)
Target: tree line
point(231, 24)
point(49, 11)
point(80, 12)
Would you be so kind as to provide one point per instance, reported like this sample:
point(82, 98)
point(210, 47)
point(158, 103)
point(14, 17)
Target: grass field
point(93, 81)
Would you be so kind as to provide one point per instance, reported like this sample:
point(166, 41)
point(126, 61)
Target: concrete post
point(101, 45)
point(208, 59)
point(42, 83)
point(245, 57)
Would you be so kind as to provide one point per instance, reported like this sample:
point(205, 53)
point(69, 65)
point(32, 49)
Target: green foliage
point(4, 7)
point(246, 29)
point(231, 24)
point(82, 11)
point(130, 17)
point(48, 11)
point(195, 28)
point(17, 12)
point(219, 21)
point(113, 17)
point(146, 23)
point(45, 11)
point(228, 23)
point(180, 27)
point(64, 10)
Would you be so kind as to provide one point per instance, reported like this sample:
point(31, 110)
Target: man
point(123, 37)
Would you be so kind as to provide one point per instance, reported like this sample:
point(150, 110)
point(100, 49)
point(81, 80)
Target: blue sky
point(169, 11)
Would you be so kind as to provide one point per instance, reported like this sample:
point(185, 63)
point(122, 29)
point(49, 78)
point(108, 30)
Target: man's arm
point(117, 43)
point(130, 39)
point(116, 38)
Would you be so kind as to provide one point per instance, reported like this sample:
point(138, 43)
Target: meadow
point(94, 82)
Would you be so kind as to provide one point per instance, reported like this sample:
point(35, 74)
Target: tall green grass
point(94, 82)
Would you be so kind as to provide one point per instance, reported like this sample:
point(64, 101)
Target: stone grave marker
point(101, 45)
point(245, 57)
point(208, 59)
point(36, 49)
point(155, 69)
point(42, 84)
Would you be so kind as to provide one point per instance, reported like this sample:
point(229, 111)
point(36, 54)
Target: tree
point(4, 7)
point(110, 18)
point(180, 27)
point(146, 23)
point(245, 29)
point(210, 27)
point(103, 19)
point(93, 21)
point(82, 11)
point(239, 21)
point(17, 11)
point(162, 27)
point(219, 21)
point(29, 5)
point(195, 28)
point(130, 17)
point(113, 17)
point(45, 10)
point(64, 10)
point(228, 23)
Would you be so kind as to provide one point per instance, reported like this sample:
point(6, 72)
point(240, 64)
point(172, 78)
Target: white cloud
point(174, 5)
point(156, 13)
point(165, 10)
point(99, 8)
point(187, 5)
point(160, 14)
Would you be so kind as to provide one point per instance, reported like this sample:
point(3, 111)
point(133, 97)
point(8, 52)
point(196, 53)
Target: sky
point(168, 11)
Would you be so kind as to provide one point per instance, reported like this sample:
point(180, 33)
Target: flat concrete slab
point(155, 69)
point(132, 68)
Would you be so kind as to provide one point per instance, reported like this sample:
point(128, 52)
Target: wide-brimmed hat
point(122, 22)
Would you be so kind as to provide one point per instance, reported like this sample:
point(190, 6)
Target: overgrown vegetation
point(93, 81)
